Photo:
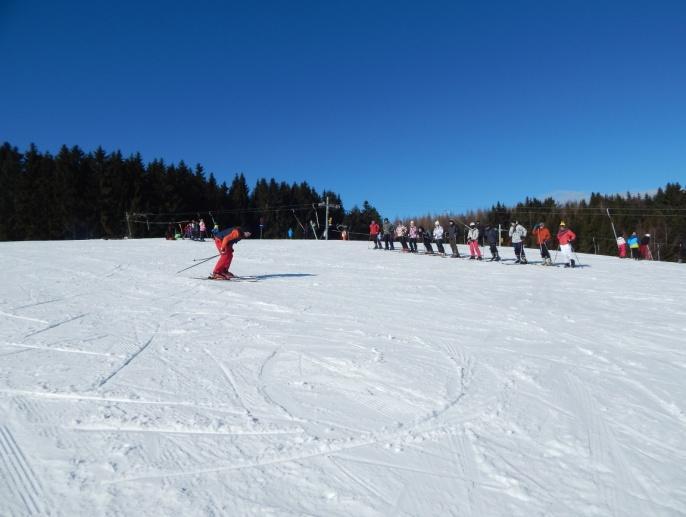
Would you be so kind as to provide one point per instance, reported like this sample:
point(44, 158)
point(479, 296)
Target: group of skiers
point(386, 234)
point(634, 247)
point(195, 230)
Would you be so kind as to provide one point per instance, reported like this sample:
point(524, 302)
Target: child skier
point(473, 240)
point(543, 240)
point(621, 246)
point(565, 236)
point(224, 245)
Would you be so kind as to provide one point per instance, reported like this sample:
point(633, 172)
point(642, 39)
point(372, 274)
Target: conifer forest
point(76, 194)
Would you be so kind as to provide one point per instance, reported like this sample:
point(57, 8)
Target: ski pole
point(204, 259)
point(575, 255)
point(198, 263)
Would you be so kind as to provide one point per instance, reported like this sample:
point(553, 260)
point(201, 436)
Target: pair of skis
point(232, 279)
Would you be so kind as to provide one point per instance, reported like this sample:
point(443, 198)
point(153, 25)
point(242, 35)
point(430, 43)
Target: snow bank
point(345, 381)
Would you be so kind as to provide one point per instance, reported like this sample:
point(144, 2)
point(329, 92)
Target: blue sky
point(414, 106)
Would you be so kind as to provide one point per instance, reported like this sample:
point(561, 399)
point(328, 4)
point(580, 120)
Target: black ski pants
point(453, 245)
point(427, 245)
point(519, 250)
point(388, 241)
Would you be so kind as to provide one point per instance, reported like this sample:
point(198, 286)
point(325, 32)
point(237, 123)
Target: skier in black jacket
point(425, 237)
point(491, 237)
point(453, 233)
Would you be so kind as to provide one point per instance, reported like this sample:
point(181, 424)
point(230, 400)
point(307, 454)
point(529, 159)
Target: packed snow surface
point(344, 381)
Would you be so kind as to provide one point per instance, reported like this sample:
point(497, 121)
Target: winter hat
point(471, 224)
point(436, 223)
point(647, 235)
point(411, 222)
point(562, 223)
point(451, 221)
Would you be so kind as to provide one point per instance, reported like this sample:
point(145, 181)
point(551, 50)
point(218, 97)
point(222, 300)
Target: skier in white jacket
point(438, 237)
point(517, 234)
point(473, 241)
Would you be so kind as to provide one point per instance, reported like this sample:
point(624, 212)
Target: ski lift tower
point(326, 224)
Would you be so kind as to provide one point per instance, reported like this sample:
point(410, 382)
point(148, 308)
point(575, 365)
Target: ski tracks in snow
point(25, 495)
point(625, 494)
point(128, 361)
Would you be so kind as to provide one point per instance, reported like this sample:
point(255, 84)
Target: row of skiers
point(385, 235)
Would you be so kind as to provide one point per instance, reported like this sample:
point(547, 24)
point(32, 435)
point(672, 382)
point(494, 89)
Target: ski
point(232, 279)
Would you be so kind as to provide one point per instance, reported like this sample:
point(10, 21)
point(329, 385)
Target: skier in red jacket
point(543, 238)
point(225, 247)
point(565, 236)
point(374, 233)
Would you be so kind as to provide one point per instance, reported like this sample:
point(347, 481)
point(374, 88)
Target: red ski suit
point(225, 247)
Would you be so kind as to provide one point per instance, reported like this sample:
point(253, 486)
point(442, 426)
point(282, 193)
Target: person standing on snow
point(373, 234)
point(543, 238)
point(473, 241)
point(413, 237)
point(491, 238)
point(388, 234)
point(401, 234)
point(482, 232)
point(565, 236)
point(452, 238)
point(438, 237)
point(621, 246)
point(224, 245)
point(517, 233)
point(644, 247)
point(425, 237)
point(632, 241)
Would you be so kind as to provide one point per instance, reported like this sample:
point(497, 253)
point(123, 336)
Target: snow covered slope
point(345, 381)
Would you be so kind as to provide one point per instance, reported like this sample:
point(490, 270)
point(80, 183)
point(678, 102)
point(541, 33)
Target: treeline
point(662, 215)
point(79, 195)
